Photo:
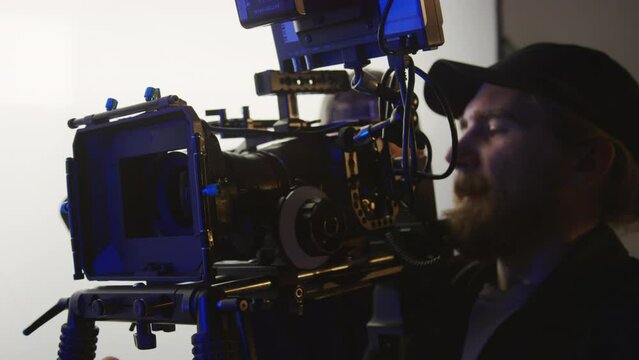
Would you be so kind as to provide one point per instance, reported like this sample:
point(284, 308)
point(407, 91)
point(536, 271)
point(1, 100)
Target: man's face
point(509, 175)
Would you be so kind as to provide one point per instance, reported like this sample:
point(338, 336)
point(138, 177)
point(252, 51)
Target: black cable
point(410, 88)
point(411, 126)
point(451, 123)
point(429, 154)
point(358, 75)
point(382, 105)
point(405, 131)
point(381, 30)
point(410, 170)
point(405, 256)
point(392, 84)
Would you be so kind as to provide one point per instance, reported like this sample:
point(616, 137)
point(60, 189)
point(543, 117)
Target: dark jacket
point(588, 308)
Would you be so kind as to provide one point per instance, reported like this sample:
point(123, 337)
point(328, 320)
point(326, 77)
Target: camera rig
point(304, 212)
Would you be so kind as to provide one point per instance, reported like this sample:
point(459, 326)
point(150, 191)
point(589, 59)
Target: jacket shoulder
point(616, 326)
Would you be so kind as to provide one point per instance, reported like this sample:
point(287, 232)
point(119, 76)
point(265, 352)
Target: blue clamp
point(111, 104)
point(363, 134)
point(152, 93)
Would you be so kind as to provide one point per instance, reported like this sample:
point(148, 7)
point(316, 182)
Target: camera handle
point(223, 331)
point(79, 336)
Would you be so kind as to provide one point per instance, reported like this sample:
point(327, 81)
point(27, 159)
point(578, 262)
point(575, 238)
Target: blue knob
point(151, 93)
point(111, 104)
point(64, 208)
point(211, 190)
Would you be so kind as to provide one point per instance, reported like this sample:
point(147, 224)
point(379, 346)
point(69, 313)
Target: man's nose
point(467, 154)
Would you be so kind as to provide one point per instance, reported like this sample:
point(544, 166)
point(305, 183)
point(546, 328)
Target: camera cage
point(308, 34)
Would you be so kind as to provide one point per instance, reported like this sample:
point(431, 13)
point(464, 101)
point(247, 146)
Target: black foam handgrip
point(78, 342)
point(207, 347)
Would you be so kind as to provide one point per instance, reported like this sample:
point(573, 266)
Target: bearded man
point(546, 161)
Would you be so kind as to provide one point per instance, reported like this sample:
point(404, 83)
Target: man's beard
point(488, 224)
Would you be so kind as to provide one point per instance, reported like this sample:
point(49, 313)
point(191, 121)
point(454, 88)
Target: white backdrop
point(62, 59)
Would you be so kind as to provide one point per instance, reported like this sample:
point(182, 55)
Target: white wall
point(610, 26)
point(62, 59)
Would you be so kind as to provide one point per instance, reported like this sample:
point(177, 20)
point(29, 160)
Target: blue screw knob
point(140, 308)
point(111, 104)
point(151, 93)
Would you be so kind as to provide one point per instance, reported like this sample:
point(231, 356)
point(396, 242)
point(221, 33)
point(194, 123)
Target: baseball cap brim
point(459, 83)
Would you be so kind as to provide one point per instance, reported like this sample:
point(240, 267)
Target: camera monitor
point(311, 34)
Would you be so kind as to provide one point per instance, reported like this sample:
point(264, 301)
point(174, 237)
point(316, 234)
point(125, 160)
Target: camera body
point(153, 198)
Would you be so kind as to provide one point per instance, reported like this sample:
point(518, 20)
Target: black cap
point(584, 80)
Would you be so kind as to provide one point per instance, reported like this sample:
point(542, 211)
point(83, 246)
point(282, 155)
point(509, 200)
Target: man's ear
point(592, 161)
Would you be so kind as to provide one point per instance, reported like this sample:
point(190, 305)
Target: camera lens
point(172, 201)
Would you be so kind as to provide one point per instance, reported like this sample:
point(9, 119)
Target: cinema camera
point(303, 212)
